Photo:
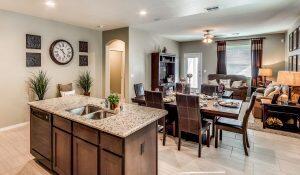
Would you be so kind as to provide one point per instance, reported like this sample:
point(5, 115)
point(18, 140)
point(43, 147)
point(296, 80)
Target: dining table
point(209, 109)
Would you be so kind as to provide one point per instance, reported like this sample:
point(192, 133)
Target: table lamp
point(265, 72)
point(289, 78)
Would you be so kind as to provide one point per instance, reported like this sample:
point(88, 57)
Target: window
point(238, 58)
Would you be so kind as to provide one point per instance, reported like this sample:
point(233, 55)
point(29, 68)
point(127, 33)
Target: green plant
point(113, 99)
point(85, 81)
point(39, 84)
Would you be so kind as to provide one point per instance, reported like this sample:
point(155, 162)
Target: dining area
point(198, 116)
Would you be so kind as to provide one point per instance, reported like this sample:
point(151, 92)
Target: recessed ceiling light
point(50, 3)
point(101, 26)
point(143, 12)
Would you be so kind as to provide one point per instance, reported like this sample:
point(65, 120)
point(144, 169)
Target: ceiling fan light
point(209, 40)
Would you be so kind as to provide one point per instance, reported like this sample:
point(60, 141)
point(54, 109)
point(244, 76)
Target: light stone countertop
point(126, 122)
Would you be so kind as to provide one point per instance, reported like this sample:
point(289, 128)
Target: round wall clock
point(61, 52)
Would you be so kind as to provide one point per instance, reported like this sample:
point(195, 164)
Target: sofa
point(283, 96)
point(239, 93)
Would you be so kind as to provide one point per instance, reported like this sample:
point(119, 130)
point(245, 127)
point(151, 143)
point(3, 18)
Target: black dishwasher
point(41, 136)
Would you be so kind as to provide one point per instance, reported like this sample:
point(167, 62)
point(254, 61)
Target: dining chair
point(190, 120)
point(154, 99)
point(139, 89)
point(179, 87)
point(235, 126)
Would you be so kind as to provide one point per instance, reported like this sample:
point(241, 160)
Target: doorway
point(115, 68)
point(193, 65)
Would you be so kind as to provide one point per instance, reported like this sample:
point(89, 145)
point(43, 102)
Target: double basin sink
point(91, 112)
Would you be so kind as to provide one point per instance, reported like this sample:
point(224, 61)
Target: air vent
point(214, 8)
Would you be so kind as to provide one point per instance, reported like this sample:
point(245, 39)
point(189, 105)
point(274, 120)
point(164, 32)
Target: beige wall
point(273, 54)
point(141, 45)
point(13, 71)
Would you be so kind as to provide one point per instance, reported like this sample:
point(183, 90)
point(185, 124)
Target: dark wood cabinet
point(68, 148)
point(111, 164)
point(162, 70)
point(62, 150)
point(85, 157)
point(40, 136)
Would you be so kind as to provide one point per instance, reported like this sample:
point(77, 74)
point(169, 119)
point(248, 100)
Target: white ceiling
point(180, 20)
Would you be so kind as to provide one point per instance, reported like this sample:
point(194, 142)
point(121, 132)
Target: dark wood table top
point(210, 109)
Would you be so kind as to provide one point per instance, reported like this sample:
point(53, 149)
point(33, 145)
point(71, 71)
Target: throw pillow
point(268, 90)
point(213, 82)
point(285, 89)
point(226, 82)
point(236, 84)
point(67, 93)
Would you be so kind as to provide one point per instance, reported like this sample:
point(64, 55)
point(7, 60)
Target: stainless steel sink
point(99, 115)
point(84, 110)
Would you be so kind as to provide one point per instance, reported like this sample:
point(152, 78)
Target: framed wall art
point(290, 63)
point(298, 63)
point(33, 41)
point(83, 46)
point(295, 39)
point(83, 60)
point(295, 62)
point(33, 59)
point(291, 42)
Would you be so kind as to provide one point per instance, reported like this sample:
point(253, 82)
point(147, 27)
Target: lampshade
point(288, 78)
point(265, 72)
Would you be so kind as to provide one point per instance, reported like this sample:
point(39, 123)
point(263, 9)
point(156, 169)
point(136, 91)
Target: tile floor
point(269, 154)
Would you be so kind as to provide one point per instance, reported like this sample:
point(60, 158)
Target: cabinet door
point(85, 157)
point(110, 164)
point(62, 144)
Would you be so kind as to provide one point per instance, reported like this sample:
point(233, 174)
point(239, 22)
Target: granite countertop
point(126, 122)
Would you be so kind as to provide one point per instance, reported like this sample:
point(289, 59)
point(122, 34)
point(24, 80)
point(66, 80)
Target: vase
point(86, 93)
point(113, 106)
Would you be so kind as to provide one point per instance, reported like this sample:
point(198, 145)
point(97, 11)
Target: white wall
point(141, 45)
point(13, 71)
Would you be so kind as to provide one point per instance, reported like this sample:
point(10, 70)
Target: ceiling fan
point(208, 37)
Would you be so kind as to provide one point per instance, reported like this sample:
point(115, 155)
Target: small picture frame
point(290, 63)
point(298, 63)
point(295, 39)
point(33, 59)
point(291, 42)
point(295, 62)
point(33, 41)
point(83, 46)
point(83, 60)
point(298, 39)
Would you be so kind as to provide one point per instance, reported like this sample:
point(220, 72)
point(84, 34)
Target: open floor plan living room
point(157, 87)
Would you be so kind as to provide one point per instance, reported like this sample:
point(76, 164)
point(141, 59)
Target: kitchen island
point(77, 135)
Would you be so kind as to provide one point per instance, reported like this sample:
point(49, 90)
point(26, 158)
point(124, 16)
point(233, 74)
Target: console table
point(289, 115)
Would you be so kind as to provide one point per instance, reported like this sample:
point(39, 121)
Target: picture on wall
point(290, 63)
point(295, 63)
point(33, 41)
point(291, 42)
point(298, 63)
point(33, 59)
point(83, 60)
point(83, 46)
point(298, 39)
point(295, 39)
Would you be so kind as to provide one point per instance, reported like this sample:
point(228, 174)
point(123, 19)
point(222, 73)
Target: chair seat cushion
point(229, 122)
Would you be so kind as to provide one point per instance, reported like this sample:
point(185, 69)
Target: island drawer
point(86, 133)
point(111, 143)
point(62, 123)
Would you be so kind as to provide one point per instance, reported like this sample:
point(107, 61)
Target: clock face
point(61, 52)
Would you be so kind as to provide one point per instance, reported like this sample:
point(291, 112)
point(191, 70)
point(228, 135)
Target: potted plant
point(39, 84)
point(114, 100)
point(85, 82)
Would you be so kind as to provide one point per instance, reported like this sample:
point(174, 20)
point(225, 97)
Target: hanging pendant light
point(207, 37)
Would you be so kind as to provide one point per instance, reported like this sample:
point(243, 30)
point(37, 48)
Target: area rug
point(257, 125)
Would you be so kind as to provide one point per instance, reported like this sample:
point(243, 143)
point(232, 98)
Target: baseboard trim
point(13, 126)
